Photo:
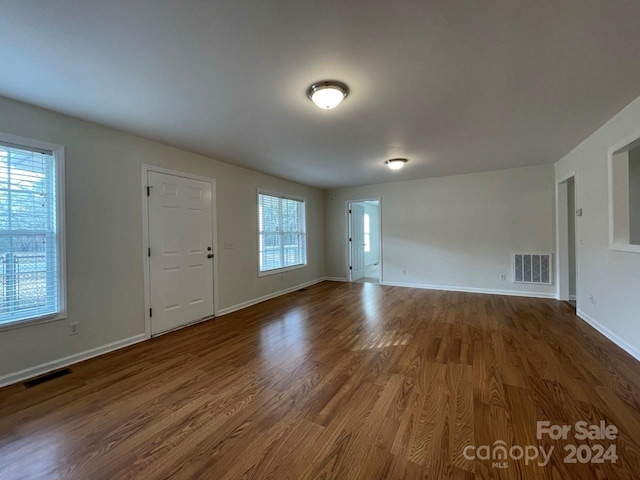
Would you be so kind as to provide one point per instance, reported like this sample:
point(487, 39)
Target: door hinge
point(149, 252)
point(349, 210)
point(151, 312)
point(149, 187)
point(350, 268)
point(351, 240)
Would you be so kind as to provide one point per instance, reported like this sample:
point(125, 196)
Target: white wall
point(612, 277)
point(104, 233)
point(457, 231)
point(634, 196)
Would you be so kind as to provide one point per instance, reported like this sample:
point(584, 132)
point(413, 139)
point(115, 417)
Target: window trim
point(59, 160)
point(615, 243)
point(285, 196)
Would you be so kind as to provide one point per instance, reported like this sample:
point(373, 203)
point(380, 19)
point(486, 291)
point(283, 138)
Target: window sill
point(28, 322)
point(625, 247)
point(281, 270)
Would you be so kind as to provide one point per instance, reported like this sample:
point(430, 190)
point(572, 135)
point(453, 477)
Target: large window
point(282, 232)
point(31, 245)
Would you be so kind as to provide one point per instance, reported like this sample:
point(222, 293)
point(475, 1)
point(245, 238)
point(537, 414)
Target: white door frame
point(348, 228)
point(562, 237)
point(145, 238)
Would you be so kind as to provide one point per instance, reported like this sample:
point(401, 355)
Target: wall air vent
point(533, 268)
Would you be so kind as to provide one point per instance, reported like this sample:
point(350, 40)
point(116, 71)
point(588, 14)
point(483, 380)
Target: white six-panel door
point(181, 255)
point(357, 241)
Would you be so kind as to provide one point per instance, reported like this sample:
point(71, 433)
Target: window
point(282, 232)
point(624, 197)
point(367, 233)
point(31, 233)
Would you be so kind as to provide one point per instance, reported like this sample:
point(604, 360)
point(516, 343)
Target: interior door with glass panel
point(181, 255)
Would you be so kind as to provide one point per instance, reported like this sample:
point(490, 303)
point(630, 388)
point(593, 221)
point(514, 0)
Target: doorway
point(364, 241)
point(567, 242)
point(180, 252)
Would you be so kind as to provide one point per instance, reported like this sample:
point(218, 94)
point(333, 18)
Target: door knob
point(210, 255)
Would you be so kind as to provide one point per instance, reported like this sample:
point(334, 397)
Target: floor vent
point(532, 268)
point(46, 377)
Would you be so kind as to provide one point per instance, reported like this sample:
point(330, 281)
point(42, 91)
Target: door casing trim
point(562, 240)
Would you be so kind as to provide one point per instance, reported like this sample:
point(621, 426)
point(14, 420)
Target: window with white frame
point(31, 240)
point(282, 232)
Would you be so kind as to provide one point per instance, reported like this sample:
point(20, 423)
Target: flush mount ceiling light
point(328, 94)
point(396, 163)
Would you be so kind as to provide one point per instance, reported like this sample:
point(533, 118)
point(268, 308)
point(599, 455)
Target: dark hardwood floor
point(346, 381)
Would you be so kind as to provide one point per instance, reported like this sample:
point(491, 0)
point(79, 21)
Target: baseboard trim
point(43, 368)
point(336, 279)
point(630, 349)
point(264, 298)
point(488, 291)
point(572, 298)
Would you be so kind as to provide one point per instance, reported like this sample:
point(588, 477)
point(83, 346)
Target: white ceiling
point(454, 86)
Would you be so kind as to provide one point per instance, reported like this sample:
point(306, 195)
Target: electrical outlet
point(73, 328)
point(404, 271)
point(503, 277)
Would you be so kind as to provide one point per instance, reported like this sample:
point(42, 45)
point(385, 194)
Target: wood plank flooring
point(345, 381)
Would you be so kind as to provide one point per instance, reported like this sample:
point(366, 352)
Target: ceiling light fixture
point(328, 94)
point(396, 163)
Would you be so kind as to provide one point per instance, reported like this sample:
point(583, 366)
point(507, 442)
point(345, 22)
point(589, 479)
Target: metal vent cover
point(534, 268)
